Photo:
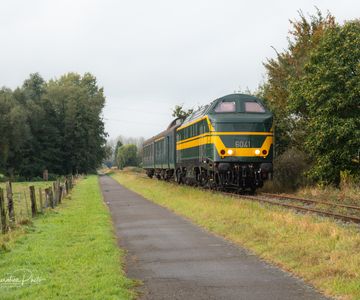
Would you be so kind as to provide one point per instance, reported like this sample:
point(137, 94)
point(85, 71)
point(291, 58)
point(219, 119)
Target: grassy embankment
point(346, 194)
point(323, 252)
point(68, 253)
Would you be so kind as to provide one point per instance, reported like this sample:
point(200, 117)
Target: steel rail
point(311, 201)
point(301, 208)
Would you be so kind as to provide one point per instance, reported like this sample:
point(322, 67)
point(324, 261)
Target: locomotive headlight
point(230, 152)
point(257, 151)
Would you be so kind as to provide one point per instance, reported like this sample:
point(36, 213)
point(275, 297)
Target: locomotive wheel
point(178, 176)
point(252, 190)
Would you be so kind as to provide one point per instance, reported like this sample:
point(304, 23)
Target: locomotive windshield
point(254, 107)
point(225, 107)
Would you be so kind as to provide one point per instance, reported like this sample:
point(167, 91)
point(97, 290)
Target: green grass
point(71, 253)
point(321, 251)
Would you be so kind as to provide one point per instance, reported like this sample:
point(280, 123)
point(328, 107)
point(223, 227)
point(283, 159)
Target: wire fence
point(19, 203)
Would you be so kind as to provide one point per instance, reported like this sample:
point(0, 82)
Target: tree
point(13, 128)
point(288, 66)
point(116, 151)
point(79, 102)
point(108, 160)
point(180, 112)
point(127, 156)
point(327, 96)
point(41, 142)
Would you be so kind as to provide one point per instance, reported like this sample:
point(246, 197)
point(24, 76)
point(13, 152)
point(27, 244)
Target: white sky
point(150, 55)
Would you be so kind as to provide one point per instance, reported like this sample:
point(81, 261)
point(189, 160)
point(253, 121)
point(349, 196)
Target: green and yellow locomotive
point(227, 144)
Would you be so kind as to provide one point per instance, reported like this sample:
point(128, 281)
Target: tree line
point(313, 88)
point(54, 125)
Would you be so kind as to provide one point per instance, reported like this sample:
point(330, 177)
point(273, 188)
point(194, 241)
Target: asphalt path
point(176, 259)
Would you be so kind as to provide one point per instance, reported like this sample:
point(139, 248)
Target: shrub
point(289, 170)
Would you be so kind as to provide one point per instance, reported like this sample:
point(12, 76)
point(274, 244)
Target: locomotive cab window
point(254, 107)
point(224, 107)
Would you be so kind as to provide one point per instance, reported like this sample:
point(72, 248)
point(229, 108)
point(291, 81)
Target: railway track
point(279, 200)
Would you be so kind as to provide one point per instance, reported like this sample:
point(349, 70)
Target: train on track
point(225, 145)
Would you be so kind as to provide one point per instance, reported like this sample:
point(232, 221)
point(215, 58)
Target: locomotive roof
point(231, 97)
point(203, 111)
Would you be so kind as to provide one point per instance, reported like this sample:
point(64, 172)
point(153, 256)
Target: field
point(68, 253)
point(21, 197)
point(323, 252)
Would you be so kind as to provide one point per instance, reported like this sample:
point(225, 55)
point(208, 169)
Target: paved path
point(178, 260)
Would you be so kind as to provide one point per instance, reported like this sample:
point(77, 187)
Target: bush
point(3, 178)
point(52, 177)
point(127, 156)
point(348, 180)
point(18, 178)
point(289, 170)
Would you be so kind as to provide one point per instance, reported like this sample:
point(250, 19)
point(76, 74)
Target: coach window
point(224, 107)
point(254, 107)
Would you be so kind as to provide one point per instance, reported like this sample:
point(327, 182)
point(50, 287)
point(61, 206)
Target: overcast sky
point(150, 55)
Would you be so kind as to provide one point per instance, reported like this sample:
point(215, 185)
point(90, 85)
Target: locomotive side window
point(225, 107)
point(254, 107)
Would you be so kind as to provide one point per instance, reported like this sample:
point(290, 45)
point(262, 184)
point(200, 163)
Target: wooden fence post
point(47, 201)
point(66, 186)
point(70, 182)
point(10, 199)
point(33, 201)
point(4, 227)
point(51, 198)
point(54, 193)
point(46, 175)
point(60, 193)
point(41, 200)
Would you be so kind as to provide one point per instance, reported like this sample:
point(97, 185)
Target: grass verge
point(321, 251)
point(68, 253)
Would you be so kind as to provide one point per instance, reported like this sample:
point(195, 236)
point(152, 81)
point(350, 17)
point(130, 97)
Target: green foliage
point(180, 112)
point(289, 168)
point(109, 153)
point(119, 144)
point(127, 156)
point(313, 88)
point(53, 125)
point(328, 93)
point(287, 67)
